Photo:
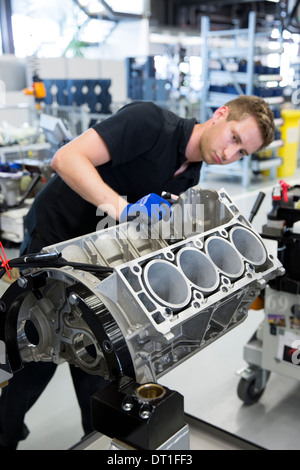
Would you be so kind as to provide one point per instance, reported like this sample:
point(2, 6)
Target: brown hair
point(245, 106)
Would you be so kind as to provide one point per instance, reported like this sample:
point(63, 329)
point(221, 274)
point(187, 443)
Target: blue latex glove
point(152, 206)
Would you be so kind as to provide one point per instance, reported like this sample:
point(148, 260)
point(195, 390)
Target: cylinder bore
point(225, 257)
point(166, 284)
point(198, 268)
point(248, 245)
point(149, 392)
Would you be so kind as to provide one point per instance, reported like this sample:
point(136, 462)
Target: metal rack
point(241, 46)
point(78, 118)
point(17, 114)
point(36, 151)
point(210, 100)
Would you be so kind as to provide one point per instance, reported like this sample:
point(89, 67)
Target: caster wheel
point(247, 392)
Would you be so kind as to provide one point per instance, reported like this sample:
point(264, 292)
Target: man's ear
point(220, 113)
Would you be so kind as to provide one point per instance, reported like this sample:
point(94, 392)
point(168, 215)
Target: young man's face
point(228, 141)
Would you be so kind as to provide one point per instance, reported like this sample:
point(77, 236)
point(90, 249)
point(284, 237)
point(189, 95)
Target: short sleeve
point(132, 131)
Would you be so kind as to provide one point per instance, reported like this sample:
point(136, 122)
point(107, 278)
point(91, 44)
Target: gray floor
point(208, 381)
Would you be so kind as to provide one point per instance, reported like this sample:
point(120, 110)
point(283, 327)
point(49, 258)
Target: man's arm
point(76, 162)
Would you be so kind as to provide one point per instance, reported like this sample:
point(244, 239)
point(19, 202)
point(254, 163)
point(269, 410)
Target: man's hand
point(152, 207)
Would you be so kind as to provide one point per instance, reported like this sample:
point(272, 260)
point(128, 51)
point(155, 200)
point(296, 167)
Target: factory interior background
point(188, 56)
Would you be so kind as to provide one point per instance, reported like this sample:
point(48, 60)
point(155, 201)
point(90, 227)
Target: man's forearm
point(80, 174)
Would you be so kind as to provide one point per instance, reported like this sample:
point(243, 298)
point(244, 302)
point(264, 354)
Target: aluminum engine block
point(171, 292)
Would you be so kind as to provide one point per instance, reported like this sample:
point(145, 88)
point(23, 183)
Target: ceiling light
point(83, 3)
point(135, 7)
point(95, 8)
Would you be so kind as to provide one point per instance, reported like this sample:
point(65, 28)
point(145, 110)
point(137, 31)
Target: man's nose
point(229, 152)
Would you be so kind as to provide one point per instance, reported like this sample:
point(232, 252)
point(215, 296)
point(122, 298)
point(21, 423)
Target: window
point(55, 28)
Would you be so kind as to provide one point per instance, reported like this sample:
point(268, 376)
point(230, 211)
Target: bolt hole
point(107, 346)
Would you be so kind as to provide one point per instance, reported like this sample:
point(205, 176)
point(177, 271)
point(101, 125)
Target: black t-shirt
point(147, 145)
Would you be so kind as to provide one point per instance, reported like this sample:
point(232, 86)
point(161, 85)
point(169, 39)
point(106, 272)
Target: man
point(141, 149)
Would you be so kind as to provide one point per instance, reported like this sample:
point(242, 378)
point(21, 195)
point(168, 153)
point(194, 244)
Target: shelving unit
point(10, 153)
point(234, 78)
point(245, 51)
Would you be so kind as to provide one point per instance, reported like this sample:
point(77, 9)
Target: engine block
point(175, 288)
